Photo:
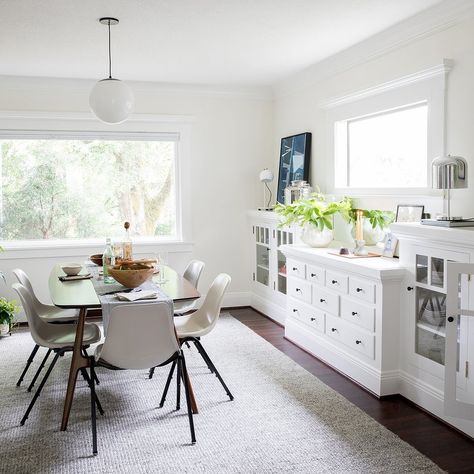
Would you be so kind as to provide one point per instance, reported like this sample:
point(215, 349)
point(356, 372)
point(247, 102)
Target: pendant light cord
point(110, 55)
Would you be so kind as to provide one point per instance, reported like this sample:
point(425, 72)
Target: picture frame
point(409, 212)
point(389, 245)
point(295, 153)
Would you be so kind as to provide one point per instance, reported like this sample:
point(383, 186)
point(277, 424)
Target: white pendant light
point(110, 99)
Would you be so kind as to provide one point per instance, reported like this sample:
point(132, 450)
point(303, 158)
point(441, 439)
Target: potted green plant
point(375, 223)
point(8, 309)
point(315, 216)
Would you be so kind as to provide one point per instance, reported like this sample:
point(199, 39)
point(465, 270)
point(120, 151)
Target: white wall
point(231, 141)
point(298, 102)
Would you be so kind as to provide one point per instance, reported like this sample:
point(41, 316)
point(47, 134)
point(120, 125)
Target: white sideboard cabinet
point(269, 268)
point(347, 313)
point(426, 253)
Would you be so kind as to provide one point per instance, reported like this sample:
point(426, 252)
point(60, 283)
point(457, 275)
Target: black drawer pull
point(321, 300)
point(295, 310)
point(313, 319)
point(450, 319)
point(359, 290)
point(409, 288)
point(333, 329)
point(295, 269)
point(354, 313)
point(298, 289)
point(313, 274)
point(358, 342)
point(334, 282)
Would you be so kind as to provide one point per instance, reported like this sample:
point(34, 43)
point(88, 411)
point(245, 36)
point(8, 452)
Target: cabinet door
point(427, 309)
point(283, 236)
point(262, 253)
point(458, 400)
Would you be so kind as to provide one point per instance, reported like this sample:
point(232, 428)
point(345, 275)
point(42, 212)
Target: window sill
point(394, 192)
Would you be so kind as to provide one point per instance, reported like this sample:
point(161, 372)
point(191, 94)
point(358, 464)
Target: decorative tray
point(351, 255)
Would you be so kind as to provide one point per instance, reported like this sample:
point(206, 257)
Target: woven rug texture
point(283, 419)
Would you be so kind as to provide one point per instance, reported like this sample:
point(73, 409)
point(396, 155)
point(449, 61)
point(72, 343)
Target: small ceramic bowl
point(96, 258)
point(71, 269)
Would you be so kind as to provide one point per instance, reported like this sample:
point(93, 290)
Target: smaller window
point(388, 149)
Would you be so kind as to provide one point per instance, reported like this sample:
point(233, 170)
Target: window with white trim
point(388, 148)
point(85, 188)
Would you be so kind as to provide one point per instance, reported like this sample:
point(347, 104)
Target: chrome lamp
point(110, 99)
point(448, 172)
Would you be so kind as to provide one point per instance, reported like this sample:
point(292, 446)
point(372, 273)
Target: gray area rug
point(283, 419)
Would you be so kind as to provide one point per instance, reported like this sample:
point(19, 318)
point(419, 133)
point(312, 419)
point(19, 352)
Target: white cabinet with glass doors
point(269, 272)
point(427, 253)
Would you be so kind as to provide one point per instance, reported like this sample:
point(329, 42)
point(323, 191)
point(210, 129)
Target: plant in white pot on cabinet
point(315, 216)
point(8, 309)
point(375, 224)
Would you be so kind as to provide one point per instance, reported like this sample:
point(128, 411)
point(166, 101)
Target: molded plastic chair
point(140, 336)
point(56, 337)
point(48, 313)
point(192, 274)
point(191, 327)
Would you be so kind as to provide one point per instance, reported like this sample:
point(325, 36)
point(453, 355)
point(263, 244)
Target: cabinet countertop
point(381, 268)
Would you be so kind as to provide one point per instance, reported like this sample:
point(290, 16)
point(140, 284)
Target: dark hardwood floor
point(446, 447)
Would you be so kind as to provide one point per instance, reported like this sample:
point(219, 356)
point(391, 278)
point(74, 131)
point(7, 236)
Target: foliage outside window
point(86, 189)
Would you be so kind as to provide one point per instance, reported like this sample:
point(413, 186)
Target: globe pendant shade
point(111, 100)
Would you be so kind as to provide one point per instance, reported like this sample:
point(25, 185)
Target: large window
point(85, 189)
point(387, 149)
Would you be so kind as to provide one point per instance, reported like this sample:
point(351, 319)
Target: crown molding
point(439, 70)
point(85, 85)
point(426, 23)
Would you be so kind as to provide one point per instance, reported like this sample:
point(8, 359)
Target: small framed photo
point(409, 213)
point(389, 245)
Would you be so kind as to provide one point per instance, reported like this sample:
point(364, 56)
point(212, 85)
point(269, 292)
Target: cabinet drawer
point(336, 281)
point(335, 328)
point(295, 268)
point(358, 313)
point(326, 300)
point(362, 289)
point(299, 289)
point(307, 314)
point(315, 274)
point(360, 341)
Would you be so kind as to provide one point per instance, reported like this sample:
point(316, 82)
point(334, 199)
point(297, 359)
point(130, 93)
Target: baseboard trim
point(267, 308)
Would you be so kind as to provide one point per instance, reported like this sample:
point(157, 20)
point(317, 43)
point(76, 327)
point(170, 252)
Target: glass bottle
point(127, 253)
point(108, 260)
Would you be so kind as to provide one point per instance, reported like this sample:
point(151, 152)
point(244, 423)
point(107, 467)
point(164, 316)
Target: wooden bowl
point(131, 278)
point(96, 258)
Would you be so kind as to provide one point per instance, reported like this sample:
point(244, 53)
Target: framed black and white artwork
point(295, 152)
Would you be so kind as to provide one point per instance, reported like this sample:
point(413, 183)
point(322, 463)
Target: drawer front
point(315, 274)
point(295, 268)
point(299, 289)
point(337, 281)
point(307, 314)
point(335, 328)
point(358, 313)
point(360, 341)
point(326, 300)
point(362, 289)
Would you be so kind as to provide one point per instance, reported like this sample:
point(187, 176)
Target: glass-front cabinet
point(262, 248)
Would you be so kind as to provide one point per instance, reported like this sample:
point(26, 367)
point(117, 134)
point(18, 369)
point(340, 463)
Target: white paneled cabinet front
point(346, 312)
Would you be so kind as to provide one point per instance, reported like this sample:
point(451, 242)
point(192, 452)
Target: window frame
point(428, 86)
point(82, 126)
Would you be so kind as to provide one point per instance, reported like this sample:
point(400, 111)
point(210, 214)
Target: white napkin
point(137, 295)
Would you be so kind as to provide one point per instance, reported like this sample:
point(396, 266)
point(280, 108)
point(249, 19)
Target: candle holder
point(360, 249)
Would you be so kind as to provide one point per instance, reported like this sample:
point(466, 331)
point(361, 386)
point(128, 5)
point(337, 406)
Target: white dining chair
point(58, 338)
point(49, 313)
point(191, 327)
point(140, 336)
point(192, 274)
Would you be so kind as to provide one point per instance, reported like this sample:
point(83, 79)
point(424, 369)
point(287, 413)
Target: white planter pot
point(4, 329)
point(371, 236)
point(314, 237)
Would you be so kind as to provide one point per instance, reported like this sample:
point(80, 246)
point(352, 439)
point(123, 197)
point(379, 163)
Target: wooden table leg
point(78, 361)
point(194, 406)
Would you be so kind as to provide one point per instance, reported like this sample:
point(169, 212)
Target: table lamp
point(266, 176)
point(448, 172)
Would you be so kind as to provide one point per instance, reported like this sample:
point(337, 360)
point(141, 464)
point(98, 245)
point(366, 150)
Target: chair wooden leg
point(38, 391)
point(40, 368)
point(184, 371)
point(94, 400)
point(204, 354)
point(28, 363)
point(167, 385)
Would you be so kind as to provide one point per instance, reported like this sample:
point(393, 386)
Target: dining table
point(82, 295)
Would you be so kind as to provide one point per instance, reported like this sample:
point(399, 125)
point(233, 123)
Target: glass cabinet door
point(283, 237)
point(262, 248)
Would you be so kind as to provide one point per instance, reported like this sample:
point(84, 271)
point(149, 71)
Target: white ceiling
point(218, 42)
